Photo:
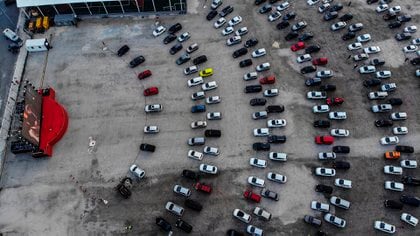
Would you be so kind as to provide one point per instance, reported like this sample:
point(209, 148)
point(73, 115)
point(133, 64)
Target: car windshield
point(240, 214)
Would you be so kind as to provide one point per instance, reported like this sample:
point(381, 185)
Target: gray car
point(183, 58)
point(196, 141)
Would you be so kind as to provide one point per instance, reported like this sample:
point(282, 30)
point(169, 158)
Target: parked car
point(321, 171)
point(330, 15)
point(147, 147)
point(150, 91)
point(192, 48)
point(266, 8)
point(226, 11)
point(262, 213)
point(251, 42)
point(182, 190)
point(289, 16)
point(210, 16)
point(242, 216)
point(184, 226)
point(255, 181)
point(190, 70)
point(189, 174)
point(312, 220)
point(282, 25)
point(151, 129)
point(402, 36)
point(262, 67)
point(198, 108)
point(268, 80)
point(245, 63)
point(174, 28)
point(174, 208)
point(328, 140)
point(183, 58)
point(209, 169)
point(322, 124)
point(275, 108)
point(258, 102)
point(153, 108)
point(327, 156)
point(410, 200)
point(248, 194)
point(291, 35)
point(394, 186)
point(384, 227)
point(411, 181)
point(363, 38)
point(393, 170)
point(261, 146)
point(196, 141)
point(409, 219)
point(404, 149)
point(123, 50)
point(277, 156)
point(334, 220)
point(319, 206)
point(137, 61)
point(321, 188)
point(299, 26)
point(199, 60)
point(276, 177)
point(253, 230)
point(341, 149)
point(239, 52)
point(159, 30)
point(250, 76)
point(312, 49)
point(219, 23)
point(258, 53)
point(198, 124)
point(409, 164)
point(202, 187)
point(269, 194)
point(276, 139)
point(163, 224)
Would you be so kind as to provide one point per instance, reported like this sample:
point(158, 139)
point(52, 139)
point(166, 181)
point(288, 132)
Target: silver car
point(174, 209)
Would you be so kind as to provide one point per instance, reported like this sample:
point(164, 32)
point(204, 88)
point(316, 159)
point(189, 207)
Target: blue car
point(198, 108)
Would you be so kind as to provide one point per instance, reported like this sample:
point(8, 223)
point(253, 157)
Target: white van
point(37, 45)
point(8, 33)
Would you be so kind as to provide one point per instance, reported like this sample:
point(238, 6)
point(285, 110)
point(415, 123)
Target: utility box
point(37, 45)
point(65, 20)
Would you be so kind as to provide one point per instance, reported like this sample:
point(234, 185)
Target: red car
point(334, 101)
point(320, 61)
point(151, 91)
point(248, 194)
point(324, 140)
point(202, 187)
point(144, 74)
point(268, 79)
point(298, 46)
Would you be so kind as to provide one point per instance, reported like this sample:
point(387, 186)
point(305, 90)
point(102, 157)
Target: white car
point(360, 57)
point(195, 155)
point(220, 22)
point(209, 86)
point(416, 41)
point(384, 74)
point(327, 156)
point(399, 116)
point(312, 2)
point(337, 221)
point(135, 170)
point(339, 25)
point(151, 129)
point(195, 81)
point(324, 74)
point(363, 38)
point(209, 169)
point(381, 108)
point(321, 171)
point(153, 108)
point(355, 27)
point(316, 95)
point(271, 92)
point(274, 16)
point(377, 95)
point(198, 95)
point(393, 170)
point(213, 100)
point(258, 53)
point(384, 227)
point(367, 69)
point(242, 216)
point(298, 26)
point(259, 115)
point(190, 70)
point(343, 183)
point(382, 8)
point(241, 31)
point(214, 116)
point(283, 6)
point(324, 7)
point(214, 151)
point(395, 186)
point(409, 219)
point(184, 37)
point(159, 30)
point(233, 40)
point(276, 177)
point(198, 124)
point(228, 30)
point(320, 109)
point(304, 58)
point(337, 115)
point(215, 4)
point(319, 206)
point(410, 48)
point(182, 190)
point(372, 49)
point(254, 231)
point(235, 20)
point(262, 132)
point(400, 130)
point(263, 67)
point(258, 162)
point(277, 156)
point(409, 164)
point(389, 87)
point(390, 140)
point(354, 46)
point(277, 123)
point(174, 208)
point(255, 181)
point(340, 132)
point(394, 10)
point(262, 213)
point(250, 76)
point(339, 202)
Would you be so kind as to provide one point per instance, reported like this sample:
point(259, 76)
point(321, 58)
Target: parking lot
point(104, 100)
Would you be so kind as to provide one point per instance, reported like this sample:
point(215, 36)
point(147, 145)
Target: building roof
point(34, 3)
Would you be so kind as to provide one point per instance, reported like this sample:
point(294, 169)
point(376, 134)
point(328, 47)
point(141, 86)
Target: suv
point(275, 109)
point(124, 187)
point(258, 102)
point(383, 123)
point(194, 205)
point(147, 147)
point(261, 146)
point(308, 69)
point(184, 226)
point(189, 174)
point(276, 139)
point(175, 28)
point(404, 149)
point(196, 141)
point(393, 204)
point(341, 149)
point(410, 200)
point(199, 60)
point(212, 133)
point(321, 188)
point(253, 88)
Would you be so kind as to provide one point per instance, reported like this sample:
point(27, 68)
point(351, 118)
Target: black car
point(341, 149)
point(232, 232)
point(258, 102)
point(291, 35)
point(395, 24)
point(266, 8)
point(321, 188)
point(175, 28)
point(169, 38)
point(239, 52)
point(328, 87)
point(251, 42)
point(312, 220)
point(409, 180)
point(147, 147)
point(199, 60)
point(163, 224)
point(404, 149)
point(348, 36)
point(393, 204)
point(402, 36)
point(371, 82)
point(336, 7)
point(289, 16)
point(377, 62)
point(258, 2)
point(330, 15)
point(276, 139)
point(322, 123)
point(371, 1)
point(389, 16)
point(245, 63)
point(342, 165)
point(346, 17)
point(383, 123)
point(312, 49)
point(415, 61)
point(273, 1)
point(189, 174)
point(137, 61)
point(410, 200)
point(184, 226)
point(282, 25)
point(194, 205)
point(313, 82)
point(404, 18)
point(395, 101)
point(306, 36)
point(274, 109)
point(253, 89)
point(308, 69)
point(212, 133)
point(261, 146)
point(226, 11)
point(123, 50)
point(211, 15)
point(176, 48)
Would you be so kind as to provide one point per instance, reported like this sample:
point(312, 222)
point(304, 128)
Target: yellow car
point(206, 72)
